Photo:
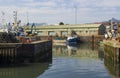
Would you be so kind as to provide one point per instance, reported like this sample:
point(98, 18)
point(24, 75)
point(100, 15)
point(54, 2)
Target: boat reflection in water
point(72, 49)
point(77, 50)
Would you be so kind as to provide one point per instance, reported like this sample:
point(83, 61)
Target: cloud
point(110, 3)
point(26, 1)
point(97, 3)
point(52, 11)
point(39, 4)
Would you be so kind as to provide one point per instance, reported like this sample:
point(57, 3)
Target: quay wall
point(38, 51)
point(93, 38)
point(112, 57)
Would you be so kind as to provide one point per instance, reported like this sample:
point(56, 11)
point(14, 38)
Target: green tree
point(61, 23)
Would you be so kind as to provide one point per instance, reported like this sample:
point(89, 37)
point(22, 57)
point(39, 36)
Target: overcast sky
point(55, 11)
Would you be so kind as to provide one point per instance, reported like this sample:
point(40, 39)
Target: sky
point(55, 11)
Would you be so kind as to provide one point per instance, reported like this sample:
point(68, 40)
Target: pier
point(38, 51)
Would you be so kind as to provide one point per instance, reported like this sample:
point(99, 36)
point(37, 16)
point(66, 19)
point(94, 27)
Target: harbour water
point(78, 61)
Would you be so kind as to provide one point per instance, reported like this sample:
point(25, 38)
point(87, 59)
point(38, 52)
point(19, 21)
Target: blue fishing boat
point(71, 40)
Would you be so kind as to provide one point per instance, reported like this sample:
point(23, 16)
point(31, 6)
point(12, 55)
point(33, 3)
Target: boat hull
point(72, 41)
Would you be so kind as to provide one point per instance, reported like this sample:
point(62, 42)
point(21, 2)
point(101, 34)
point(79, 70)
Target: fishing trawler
point(72, 38)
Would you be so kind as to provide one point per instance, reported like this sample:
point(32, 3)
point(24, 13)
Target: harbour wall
point(93, 38)
point(38, 51)
point(112, 57)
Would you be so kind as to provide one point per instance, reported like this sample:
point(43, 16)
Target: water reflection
point(100, 53)
point(69, 61)
point(72, 49)
point(23, 71)
point(22, 66)
point(112, 63)
point(82, 50)
point(78, 61)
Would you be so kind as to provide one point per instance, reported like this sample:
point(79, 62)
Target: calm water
point(81, 61)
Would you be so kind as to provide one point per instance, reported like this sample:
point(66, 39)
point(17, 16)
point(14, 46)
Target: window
point(40, 33)
point(64, 33)
point(51, 33)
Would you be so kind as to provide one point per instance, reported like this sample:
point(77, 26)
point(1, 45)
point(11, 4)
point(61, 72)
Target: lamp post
point(75, 14)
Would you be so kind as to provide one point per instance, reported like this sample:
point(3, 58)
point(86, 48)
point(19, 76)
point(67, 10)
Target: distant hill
point(114, 20)
point(38, 24)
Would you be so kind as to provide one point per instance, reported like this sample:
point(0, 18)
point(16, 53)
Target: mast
point(3, 20)
point(15, 18)
point(4, 26)
point(27, 17)
point(111, 24)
